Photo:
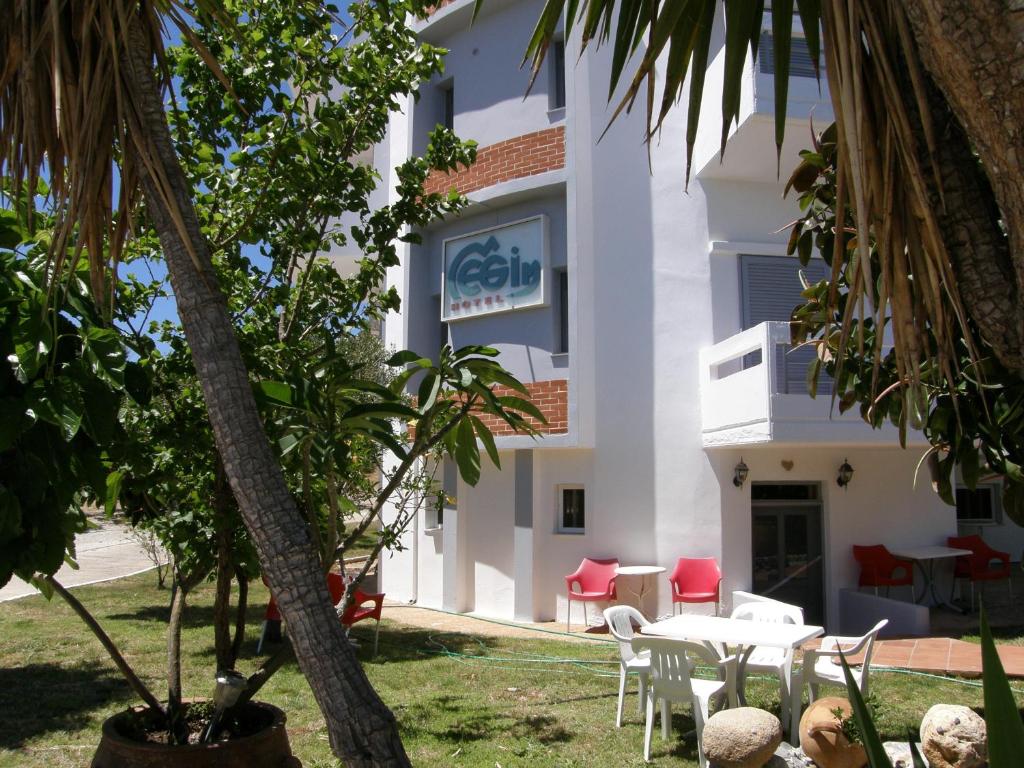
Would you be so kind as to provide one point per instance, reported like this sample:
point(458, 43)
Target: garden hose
point(584, 665)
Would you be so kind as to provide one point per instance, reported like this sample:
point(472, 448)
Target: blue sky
point(164, 308)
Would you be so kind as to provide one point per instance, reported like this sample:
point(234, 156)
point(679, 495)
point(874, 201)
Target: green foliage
point(1004, 727)
point(1002, 719)
point(63, 379)
point(979, 426)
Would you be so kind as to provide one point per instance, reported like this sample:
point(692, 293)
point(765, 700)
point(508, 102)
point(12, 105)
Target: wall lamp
point(739, 475)
point(845, 474)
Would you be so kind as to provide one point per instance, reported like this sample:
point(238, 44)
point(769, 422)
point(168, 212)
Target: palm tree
point(81, 98)
point(929, 110)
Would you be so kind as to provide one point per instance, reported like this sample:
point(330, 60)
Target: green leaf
point(467, 455)
point(741, 18)
point(877, 757)
point(105, 353)
point(276, 392)
point(429, 387)
point(1005, 728)
point(782, 33)
point(114, 480)
point(408, 357)
point(487, 439)
point(970, 465)
point(13, 421)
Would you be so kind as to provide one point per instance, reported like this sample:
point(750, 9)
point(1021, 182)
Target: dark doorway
point(788, 561)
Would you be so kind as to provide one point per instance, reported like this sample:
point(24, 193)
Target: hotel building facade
point(649, 322)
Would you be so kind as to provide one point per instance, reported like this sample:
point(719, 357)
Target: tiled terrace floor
point(943, 656)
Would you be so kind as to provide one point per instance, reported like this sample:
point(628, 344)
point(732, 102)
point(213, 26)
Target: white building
point(645, 340)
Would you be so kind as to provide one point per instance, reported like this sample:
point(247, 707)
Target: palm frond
point(67, 118)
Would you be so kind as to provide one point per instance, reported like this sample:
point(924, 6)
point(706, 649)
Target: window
point(571, 515)
point(800, 62)
point(558, 74)
point(980, 506)
point(449, 107)
point(770, 289)
point(563, 311)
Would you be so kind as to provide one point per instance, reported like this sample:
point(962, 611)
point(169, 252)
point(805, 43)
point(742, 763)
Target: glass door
point(787, 559)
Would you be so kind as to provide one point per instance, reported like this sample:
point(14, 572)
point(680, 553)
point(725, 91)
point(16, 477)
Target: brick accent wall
point(432, 9)
point(516, 158)
point(551, 399)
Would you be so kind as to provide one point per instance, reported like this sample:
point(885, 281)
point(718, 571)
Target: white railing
point(747, 402)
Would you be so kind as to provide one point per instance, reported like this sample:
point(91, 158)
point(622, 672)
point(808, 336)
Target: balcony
point(750, 154)
point(752, 394)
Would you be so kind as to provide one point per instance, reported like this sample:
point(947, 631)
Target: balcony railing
point(752, 393)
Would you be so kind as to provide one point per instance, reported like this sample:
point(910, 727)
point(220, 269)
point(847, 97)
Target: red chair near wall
point(596, 582)
point(364, 606)
point(696, 580)
point(881, 568)
point(984, 564)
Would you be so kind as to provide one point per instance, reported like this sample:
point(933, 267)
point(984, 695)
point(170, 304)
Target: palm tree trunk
point(970, 220)
point(362, 730)
point(972, 51)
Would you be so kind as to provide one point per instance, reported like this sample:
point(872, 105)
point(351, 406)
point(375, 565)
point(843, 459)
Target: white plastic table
point(745, 636)
point(643, 571)
point(929, 554)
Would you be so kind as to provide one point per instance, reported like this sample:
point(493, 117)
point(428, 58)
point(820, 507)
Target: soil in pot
point(253, 737)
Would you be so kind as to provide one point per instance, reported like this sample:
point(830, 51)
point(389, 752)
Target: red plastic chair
point(364, 606)
point(985, 564)
point(596, 582)
point(881, 568)
point(696, 580)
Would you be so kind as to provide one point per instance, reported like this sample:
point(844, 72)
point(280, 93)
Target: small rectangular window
point(449, 107)
point(563, 311)
point(978, 507)
point(558, 74)
point(571, 513)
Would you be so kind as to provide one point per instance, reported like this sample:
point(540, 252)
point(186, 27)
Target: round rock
point(953, 736)
point(744, 737)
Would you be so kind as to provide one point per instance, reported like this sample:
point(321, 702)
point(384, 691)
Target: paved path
point(936, 655)
point(106, 552)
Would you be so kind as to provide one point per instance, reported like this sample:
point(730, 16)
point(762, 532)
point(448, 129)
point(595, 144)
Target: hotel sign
point(495, 270)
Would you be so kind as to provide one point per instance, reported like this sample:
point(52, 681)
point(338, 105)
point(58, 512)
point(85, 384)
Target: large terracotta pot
point(822, 738)
point(267, 748)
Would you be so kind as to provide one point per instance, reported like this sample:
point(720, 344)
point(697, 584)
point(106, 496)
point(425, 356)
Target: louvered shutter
point(771, 289)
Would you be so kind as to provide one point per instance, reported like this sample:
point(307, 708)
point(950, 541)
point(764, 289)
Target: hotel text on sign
point(495, 270)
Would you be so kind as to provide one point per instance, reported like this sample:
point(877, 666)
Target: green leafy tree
point(82, 96)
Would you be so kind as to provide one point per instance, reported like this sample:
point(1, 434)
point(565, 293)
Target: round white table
point(643, 571)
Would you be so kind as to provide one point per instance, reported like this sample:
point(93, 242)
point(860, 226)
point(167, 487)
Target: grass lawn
point(462, 700)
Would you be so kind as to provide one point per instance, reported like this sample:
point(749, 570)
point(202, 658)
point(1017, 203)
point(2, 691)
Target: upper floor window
point(557, 57)
point(448, 117)
point(801, 64)
point(563, 311)
point(770, 289)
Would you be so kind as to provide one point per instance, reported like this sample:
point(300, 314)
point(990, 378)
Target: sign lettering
point(495, 270)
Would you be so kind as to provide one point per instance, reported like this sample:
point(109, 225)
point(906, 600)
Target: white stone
point(744, 737)
point(953, 736)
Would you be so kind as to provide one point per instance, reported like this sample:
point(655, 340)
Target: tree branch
point(122, 664)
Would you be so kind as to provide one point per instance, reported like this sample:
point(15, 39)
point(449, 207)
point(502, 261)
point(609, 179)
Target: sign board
point(495, 270)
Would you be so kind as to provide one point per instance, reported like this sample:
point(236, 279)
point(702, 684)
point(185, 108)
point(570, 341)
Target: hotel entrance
point(787, 537)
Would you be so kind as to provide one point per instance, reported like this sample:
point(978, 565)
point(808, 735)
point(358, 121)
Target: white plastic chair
point(619, 619)
point(819, 666)
point(671, 681)
point(777, 661)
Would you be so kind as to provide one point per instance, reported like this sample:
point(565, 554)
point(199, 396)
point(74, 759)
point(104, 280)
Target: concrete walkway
point(106, 552)
point(935, 655)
